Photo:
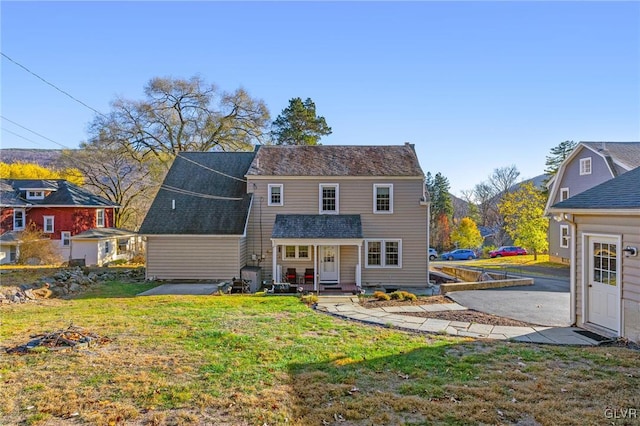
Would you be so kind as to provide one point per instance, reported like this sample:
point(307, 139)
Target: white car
point(433, 254)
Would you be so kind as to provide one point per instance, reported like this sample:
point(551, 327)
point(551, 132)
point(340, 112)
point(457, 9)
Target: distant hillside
point(538, 182)
point(42, 157)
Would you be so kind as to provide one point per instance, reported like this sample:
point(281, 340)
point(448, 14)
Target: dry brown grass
point(238, 360)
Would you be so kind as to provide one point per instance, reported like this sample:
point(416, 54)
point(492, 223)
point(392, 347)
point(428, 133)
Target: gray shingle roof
point(624, 153)
point(98, 233)
point(622, 192)
point(334, 160)
point(317, 226)
point(209, 193)
point(63, 193)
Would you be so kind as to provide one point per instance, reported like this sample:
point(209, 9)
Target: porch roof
point(317, 226)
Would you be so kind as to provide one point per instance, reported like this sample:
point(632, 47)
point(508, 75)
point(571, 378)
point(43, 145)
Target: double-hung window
point(384, 253)
point(65, 236)
point(329, 198)
point(18, 219)
point(585, 166)
point(564, 236)
point(276, 195)
point(100, 218)
point(48, 225)
point(296, 253)
point(564, 194)
point(383, 198)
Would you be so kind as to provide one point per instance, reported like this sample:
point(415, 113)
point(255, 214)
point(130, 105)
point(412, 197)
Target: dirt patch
point(468, 315)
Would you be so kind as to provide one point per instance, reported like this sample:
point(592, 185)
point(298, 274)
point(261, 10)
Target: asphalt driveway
point(546, 302)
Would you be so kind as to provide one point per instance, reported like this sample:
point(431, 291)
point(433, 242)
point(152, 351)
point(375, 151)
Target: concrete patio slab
point(182, 289)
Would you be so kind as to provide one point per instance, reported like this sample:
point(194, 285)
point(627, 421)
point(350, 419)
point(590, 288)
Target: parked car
point(433, 254)
point(459, 254)
point(507, 251)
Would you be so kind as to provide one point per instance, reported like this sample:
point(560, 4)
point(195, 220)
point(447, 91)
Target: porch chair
point(291, 276)
point(308, 275)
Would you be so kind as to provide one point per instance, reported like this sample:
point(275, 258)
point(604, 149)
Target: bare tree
point(183, 115)
point(111, 172)
point(503, 178)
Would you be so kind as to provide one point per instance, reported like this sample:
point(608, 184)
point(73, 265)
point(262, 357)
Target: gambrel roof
point(336, 160)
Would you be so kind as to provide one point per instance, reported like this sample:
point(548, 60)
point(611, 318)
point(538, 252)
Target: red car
point(507, 251)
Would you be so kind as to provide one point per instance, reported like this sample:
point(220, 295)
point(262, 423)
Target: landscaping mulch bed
point(468, 315)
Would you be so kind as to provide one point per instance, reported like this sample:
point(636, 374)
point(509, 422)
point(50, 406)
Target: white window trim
point(564, 191)
point(297, 255)
point(44, 224)
point(584, 164)
point(34, 194)
point(100, 224)
point(329, 185)
point(375, 198)
point(564, 238)
point(269, 200)
point(24, 219)
point(65, 236)
point(107, 247)
point(383, 254)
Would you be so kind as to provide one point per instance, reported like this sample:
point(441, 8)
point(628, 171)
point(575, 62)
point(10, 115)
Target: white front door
point(603, 283)
point(328, 264)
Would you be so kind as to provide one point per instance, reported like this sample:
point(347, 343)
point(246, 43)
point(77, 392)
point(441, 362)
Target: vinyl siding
point(193, 257)
point(407, 222)
point(576, 183)
point(629, 229)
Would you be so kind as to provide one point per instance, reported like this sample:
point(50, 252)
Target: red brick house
point(57, 207)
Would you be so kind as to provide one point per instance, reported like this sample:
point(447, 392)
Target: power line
point(53, 85)
point(20, 136)
point(212, 170)
point(198, 194)
point(34, 132)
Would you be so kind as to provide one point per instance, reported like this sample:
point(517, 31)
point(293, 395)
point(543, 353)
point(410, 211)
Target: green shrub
point(397, 295)
point(486, 250)
point(381, 295)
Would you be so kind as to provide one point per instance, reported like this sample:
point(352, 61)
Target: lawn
point(271, 360)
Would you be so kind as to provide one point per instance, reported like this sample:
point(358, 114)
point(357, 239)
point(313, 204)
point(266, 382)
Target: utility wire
point(20, 136)
point(52, 85)
point(212, 170)
point(198, 194)
point(35, 133)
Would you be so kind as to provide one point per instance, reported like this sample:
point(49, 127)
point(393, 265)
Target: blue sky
point(474, 85)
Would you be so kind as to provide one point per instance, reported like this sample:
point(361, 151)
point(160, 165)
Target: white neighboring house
point(104, 245)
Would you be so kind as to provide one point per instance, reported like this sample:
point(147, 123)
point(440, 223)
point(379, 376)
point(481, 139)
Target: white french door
point(603, 283)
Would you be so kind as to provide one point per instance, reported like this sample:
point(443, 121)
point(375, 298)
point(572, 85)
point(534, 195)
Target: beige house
point(605, 265)
point(321, 217)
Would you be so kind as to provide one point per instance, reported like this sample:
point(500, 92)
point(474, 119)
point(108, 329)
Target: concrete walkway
point(348, 307)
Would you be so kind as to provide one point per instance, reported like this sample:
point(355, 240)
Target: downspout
point(572, 269)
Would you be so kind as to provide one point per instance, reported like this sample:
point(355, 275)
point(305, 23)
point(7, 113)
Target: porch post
point(359, 267)
point(274, 261)
point(315, 267)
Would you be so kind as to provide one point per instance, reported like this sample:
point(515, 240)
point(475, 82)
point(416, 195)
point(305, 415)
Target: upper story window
point(564, 194)
point(48, 225)
point(65, 236)
point(383, 198)
point(329, 198)
point(35, 195)
point(585, 166)
point(100, 218)
point(276, 195)
point(18, 219)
